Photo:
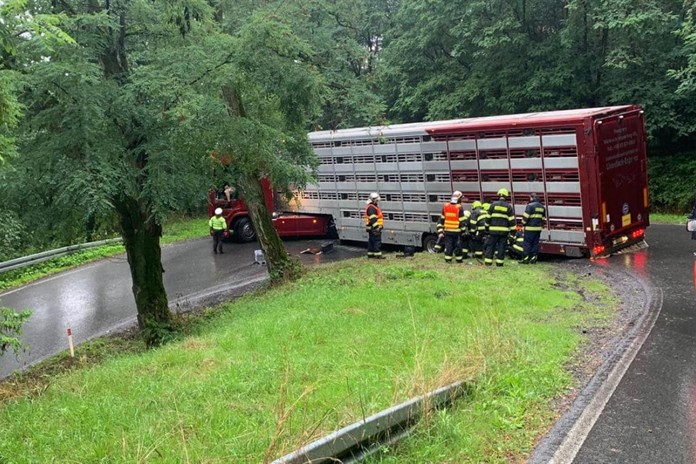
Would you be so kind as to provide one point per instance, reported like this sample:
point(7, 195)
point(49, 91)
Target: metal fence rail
point(362, 438)
point(46, 255)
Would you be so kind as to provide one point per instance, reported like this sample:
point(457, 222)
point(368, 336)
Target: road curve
point(96, 299)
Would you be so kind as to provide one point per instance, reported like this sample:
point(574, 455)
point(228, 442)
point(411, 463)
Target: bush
point(11, 328)
point(672, 182)
point(13, 235)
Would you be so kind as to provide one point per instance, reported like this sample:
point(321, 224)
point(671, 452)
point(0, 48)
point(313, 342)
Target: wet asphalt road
point(651, 416)
point(96, 299)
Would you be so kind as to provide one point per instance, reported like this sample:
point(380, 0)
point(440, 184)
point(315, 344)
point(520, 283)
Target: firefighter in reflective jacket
point(515, 246)
point(500, 224)
point(452, 221)
point(374, 223)
point(533, 222)
point(477, 229)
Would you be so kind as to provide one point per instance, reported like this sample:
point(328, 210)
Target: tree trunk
point(281, 266)
point(141, 238)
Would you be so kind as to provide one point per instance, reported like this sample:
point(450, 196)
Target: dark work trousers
point(477, 247)
point(531, 245)
point(374, 243)
point(465, 245)
point(452, 246)
point(496, 245)
point(217, 240)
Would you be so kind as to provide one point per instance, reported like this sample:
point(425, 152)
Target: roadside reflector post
point(70, 343)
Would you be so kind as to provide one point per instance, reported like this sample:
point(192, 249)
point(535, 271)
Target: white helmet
point(374, 197)
point(456, 195)
point(218, 211)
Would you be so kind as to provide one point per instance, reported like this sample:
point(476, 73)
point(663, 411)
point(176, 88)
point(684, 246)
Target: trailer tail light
point(638, 233)
point(598, 250)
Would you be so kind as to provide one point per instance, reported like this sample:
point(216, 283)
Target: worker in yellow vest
point(218, 229)
point(374, 223)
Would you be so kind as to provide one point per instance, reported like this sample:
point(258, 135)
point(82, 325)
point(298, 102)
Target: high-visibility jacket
point(533, 217)
point(217, 223)
point(502, 218)
point(452, 218)
point(477, 222)
point(374, 220)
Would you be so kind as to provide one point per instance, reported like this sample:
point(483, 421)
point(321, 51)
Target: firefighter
point(477, 229)
point(450, 225)
point(465, 237)
point(500, 224)
point(515, 246)
point(533, 222)
point(218, 230)
point(374, 223)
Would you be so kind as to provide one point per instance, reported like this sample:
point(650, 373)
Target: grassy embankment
point(665, 218)
point(271, 371)
point(176, 229)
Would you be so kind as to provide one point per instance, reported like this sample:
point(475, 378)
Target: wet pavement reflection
point(97, 298)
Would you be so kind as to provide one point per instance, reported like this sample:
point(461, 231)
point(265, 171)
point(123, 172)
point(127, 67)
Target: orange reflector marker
point(645, 197)
point(604, 211)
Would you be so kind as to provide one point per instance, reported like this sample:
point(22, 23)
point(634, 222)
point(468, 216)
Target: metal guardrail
point(363, 438)
point(46, 255)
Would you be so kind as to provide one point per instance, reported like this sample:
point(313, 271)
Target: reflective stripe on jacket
point(373, 217)
point(533, 217)
point(477, 222)
point(217, 223)
point(452, 218)
point(501, 218)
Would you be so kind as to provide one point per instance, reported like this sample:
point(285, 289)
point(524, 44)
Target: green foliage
point(302, 360)
point(11, 329)
point(671, 183)
point(13, 235)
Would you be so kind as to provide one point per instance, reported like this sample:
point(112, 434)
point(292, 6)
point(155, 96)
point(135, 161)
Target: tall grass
point(275, 370)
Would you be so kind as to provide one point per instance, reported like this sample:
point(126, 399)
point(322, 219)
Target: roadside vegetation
point(256, 378)
point(668, 218)
point(175, 229)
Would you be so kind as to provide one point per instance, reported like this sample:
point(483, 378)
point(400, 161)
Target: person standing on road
point(533, 222)
point(374, 223)
point(218, 228)
point(500, 224)
point(449, 227)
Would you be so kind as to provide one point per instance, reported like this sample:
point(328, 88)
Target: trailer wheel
point(244, 230)
point(429, 242)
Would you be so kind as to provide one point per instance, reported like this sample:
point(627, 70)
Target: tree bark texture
point(141, 238)
point(280, 265)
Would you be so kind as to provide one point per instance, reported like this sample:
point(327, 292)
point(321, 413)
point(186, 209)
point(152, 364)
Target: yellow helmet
point(503, 192)
point(485, 206)
point(476, 204)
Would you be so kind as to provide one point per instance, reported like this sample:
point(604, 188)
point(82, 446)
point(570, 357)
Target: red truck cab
point(288, 224)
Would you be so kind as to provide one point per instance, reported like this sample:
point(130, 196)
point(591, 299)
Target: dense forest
point(110, 109)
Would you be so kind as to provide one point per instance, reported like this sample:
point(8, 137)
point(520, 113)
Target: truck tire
point(429, 242)
point(244, 230)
